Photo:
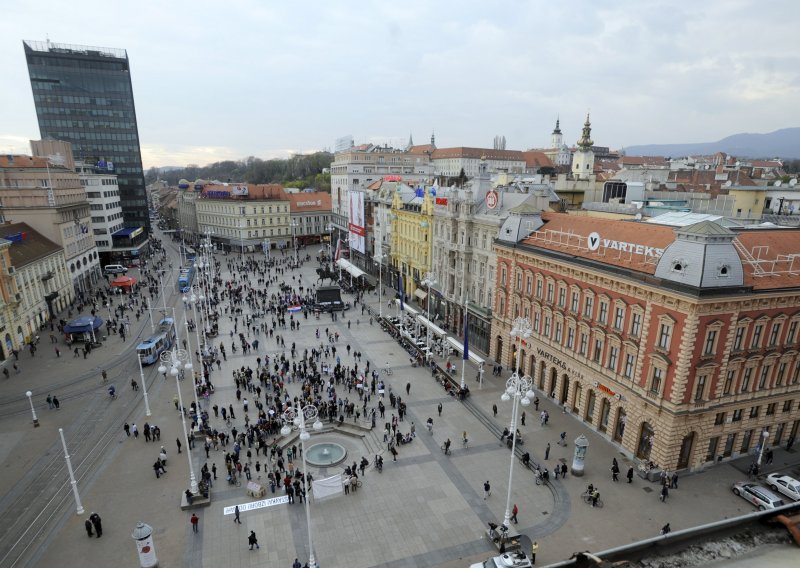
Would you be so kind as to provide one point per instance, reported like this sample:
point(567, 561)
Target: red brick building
point(680, 345)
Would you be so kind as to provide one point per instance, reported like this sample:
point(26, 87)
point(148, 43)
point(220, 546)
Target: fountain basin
point(325, 454)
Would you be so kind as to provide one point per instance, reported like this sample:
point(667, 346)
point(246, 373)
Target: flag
point(466, 335)
point(338, 250)
point(402, 306)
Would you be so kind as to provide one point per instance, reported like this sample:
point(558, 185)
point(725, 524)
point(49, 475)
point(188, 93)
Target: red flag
point(338, 250)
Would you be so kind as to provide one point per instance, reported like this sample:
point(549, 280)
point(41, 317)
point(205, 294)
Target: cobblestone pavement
point(425, 509)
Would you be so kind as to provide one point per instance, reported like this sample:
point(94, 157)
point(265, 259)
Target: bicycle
point(387, 370)
point(587, 498)
point(465, 443)
point(446, 449)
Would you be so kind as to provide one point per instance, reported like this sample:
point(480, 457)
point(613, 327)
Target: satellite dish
point(777, 183)
point(792, 182)
point(727, 183)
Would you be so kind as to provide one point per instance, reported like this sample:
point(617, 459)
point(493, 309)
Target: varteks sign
point(594, 241)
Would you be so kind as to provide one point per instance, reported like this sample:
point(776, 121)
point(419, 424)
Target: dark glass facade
point(84, 95)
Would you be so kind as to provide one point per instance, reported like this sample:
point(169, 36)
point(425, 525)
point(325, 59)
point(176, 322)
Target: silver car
point(759, 496)
point(507, 560)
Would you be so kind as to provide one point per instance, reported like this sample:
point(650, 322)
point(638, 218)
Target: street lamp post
point(294, 239)
point(176, 358)
point(330, 244)
point(296, 419)
point(144, 386)
point(518, 389)
point(764, 436)
point(429, 282)
point(33, 410)
point(72, 481)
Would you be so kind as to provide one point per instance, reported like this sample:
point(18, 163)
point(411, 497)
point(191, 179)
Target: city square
point(425, 509)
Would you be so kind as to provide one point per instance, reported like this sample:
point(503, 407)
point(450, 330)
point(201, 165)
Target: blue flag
point(402, 306)
point(466, 335)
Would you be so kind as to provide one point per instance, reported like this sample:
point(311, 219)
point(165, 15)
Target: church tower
point(583, 160)
point(556, 138)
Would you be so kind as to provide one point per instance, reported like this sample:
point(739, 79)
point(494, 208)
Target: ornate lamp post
point(764, 436)
point(294, 239)
point(429, 282)
point(175, 359)
point(294, 418)
point(144, 386)
point(518, 390)
point(33, 410)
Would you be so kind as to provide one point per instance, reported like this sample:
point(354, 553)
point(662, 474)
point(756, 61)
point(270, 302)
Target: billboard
point(357, 222)
point(239, 190)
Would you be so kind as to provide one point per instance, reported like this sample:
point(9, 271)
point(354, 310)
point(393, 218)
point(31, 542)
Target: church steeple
point(558, 127)
point(410, 140)
point(586, 138)
point(556, 138)
point(433, 139)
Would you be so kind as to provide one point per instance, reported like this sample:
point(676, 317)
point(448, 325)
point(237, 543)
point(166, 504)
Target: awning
point(460, 348)
point(420, 293)
point(83, 324)
point(407, 308)
point(123, 282)
point(350, 268)
point(431, 326)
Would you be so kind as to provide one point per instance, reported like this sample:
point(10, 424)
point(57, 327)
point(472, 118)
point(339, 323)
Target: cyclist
point(112, 392)
point(464, 439)
point(595, 497)
point(447, 446)
point(104, 374)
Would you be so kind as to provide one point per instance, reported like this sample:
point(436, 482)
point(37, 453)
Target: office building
point(84, 95)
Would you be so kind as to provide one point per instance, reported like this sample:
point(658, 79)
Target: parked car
point(114, 269)
point(507, 560)
point(759, 496)
point(789, 486)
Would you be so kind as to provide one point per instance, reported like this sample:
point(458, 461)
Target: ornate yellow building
point(412, 223)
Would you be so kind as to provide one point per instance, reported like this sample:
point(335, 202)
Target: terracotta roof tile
point(33, 247)
point(477, 153)
point(535, 159)
point(22, 161)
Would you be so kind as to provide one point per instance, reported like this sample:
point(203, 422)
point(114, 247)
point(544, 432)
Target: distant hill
point(784, 143)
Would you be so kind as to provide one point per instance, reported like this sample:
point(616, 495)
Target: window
point(559, 331)
point(503, 276)
point(547, 326)
point(787, 405)
point(519, 281)
point(748, 373)
point(780, 375)
point(539, 288)
point(562, 297)
point(602, 316)
point(536, 321)
point(570, 337)
point(598, 350)
point(584, 344)
point(613, 355)
point(791, 333)
point(550, 293)
point(773, 334)
point(754, 411)
point(664, 336)
point(737, 415)
point(746, 437)
point(700, 388)
point(574, 303)
point(588, 307)
point(762, 380)
point(619, 318)
point(719, 419)
point(711, 341)
point(655, 381)
point(796, 373)
point(636, 324)
point(771, 408)
point(726, 389)
point(737, 341)
point(756, 342)
point(629, 362)
point(529, 285)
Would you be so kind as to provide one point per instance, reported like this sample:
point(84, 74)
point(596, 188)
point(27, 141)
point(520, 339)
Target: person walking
point(630, 474)
point(440, 409)
point(252, 540)
point(195, 520)
point(523, 418)
point(614, 472)
point(514, 512)
point(487, 490)
point(98, 524)
point(547, 452)
point(56, 403)
point(88, 525)
point(534, 550)
point(178, 443)
point(494, 410)
point(666, 529)
point(236, 515)
point(674, 482)
point(664, 493)
point(135, 430)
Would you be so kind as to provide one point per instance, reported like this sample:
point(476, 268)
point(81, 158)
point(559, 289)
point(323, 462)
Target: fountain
point(325, 454)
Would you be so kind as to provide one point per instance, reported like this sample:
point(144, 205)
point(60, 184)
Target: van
point(114, 269)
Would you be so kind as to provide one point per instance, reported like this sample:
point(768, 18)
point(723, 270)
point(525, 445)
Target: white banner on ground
point(328, 487)
point(257, 505)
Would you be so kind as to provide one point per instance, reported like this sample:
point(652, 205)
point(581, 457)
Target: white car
point(507, 560)
point(789, 486)
point(759, 496)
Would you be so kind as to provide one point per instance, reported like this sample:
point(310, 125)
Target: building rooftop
point(27, 245)
point(477, 153)
point(22, 161)
point(67, 48)
point(245, 191)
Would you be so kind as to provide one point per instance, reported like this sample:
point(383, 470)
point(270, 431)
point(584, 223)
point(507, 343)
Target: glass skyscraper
point(84, 95)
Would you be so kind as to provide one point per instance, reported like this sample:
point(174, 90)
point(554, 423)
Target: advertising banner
point(357, 222)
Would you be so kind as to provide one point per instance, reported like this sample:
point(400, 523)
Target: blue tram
point(185, 279)
point(149, 349)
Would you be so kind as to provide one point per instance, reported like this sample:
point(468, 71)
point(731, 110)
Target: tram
point(185, 279)
point(149, 349)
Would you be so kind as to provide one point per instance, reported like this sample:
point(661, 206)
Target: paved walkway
point(426, 509)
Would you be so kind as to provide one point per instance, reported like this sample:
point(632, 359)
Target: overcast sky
point(225, 80)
